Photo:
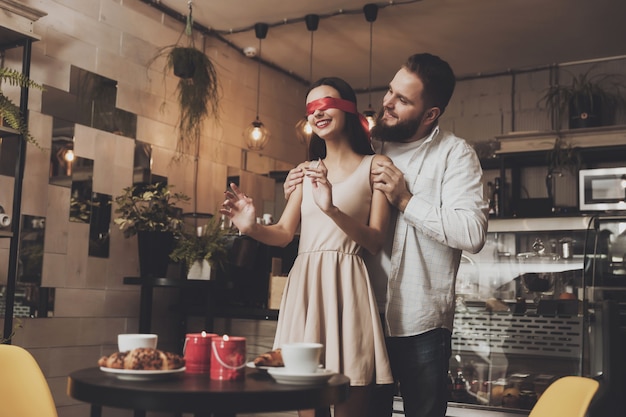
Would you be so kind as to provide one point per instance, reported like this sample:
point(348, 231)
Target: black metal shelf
point(12, 38)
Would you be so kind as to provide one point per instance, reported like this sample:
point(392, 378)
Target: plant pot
point(154, 252)
point(184, 68)
point(201, 270)
point(585, 112)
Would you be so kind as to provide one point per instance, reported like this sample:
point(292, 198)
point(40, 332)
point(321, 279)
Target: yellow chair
point(24, 391)
point(569, 396)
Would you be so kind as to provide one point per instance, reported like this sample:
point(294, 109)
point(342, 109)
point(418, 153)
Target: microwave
point(602, 189)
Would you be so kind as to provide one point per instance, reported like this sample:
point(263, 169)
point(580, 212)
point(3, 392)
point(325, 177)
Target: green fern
point(10, 111)
point(210, 245)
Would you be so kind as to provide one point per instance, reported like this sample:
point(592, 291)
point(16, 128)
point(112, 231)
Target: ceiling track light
point(371, 13)
point(303, 128)
point(256, 134)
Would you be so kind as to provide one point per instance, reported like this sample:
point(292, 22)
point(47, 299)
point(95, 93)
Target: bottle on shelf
point(459, 388)
point(496, 199)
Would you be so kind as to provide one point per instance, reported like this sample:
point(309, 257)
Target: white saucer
point(283, 376)
point(259, 367)
point(140, 375)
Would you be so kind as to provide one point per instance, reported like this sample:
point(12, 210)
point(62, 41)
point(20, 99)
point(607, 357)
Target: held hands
point(386, 177)
point(294, 178)
point(322, 188)
point(239, 208)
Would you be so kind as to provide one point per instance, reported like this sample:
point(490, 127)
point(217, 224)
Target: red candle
point(197, 351)
point(228, 357)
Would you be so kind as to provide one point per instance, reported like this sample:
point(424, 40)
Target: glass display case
point(522, 317)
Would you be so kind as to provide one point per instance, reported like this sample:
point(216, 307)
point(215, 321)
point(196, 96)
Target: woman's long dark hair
point(359, 140)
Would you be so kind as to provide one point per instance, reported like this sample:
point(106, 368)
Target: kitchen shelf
point(535, 141)
point(16, 31)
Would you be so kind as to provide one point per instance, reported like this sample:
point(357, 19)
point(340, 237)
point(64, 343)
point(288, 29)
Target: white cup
point(130, 341)
point(302, 357)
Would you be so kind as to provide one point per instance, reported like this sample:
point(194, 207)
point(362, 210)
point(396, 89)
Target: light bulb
point(256, 135)
point(69, 155)
point(370, 116)
point(304, 131)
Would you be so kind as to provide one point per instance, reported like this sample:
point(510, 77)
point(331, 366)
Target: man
point(435, 183)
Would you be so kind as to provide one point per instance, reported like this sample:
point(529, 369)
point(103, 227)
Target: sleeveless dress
point(328, 297)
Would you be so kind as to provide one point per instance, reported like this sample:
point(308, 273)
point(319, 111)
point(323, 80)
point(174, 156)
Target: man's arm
point(458, 216)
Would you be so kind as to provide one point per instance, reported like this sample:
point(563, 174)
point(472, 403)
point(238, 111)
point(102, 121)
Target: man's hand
point(386, 177)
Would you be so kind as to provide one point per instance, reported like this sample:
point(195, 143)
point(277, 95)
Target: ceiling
point(474, 36)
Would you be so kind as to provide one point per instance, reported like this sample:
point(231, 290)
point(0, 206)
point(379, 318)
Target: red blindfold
point(339, 104)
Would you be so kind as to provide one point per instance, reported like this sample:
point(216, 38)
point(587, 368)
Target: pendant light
point(303, 128)
point(371, 13)
point(256, 134)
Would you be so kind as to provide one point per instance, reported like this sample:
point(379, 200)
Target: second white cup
point(301, 357)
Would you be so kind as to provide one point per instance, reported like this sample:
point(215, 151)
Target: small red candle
point(197, 351)
point(228, 357)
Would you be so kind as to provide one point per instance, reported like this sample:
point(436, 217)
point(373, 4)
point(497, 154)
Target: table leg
point(322, 412)
point(96, 410)
point(209, 313)
point(145, 309)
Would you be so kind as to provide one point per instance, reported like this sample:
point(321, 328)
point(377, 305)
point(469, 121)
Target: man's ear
point(431, 115)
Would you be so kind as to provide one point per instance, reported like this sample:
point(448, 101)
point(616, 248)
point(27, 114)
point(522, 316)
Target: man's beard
point(401, 132)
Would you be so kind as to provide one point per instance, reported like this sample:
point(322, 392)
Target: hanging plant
point(563, 158)
point(11, 114)
point(198, 90)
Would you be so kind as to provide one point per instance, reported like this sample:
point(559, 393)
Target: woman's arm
point(240, 209)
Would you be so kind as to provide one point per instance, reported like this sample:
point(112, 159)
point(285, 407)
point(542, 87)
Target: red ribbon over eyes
point(339, 104)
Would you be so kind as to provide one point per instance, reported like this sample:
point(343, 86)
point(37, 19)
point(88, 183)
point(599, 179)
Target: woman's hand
point(322, 188)
point(294, 178)
point(239, 208)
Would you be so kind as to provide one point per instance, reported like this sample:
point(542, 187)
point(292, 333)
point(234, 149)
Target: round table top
point(198, 393)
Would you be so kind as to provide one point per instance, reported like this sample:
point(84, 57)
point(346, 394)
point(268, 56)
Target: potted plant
point(150, 212)
point(590, 99)
point(198, 91)
point(11, 114)
point(203, 250)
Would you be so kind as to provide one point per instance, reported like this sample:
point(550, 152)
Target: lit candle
point(228, 357)
point(197, 352)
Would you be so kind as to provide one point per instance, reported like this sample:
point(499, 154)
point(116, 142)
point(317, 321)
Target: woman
point(328, 297)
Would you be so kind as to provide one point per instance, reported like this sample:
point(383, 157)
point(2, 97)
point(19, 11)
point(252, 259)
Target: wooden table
point(198, 394)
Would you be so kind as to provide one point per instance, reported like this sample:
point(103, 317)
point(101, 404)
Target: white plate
point(140, 375)
point(282, 376)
